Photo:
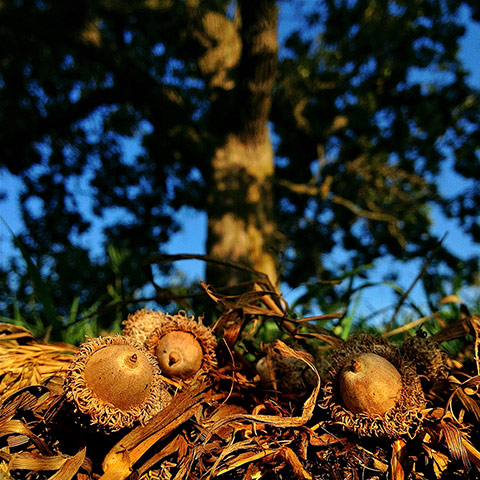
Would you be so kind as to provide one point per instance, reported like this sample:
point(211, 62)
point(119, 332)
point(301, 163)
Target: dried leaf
point(8, 331)
point(240, 459)
point(230, 429)
point(16, 427)
point(27, 398)
point(466, 324)
point(440, 461)
point(473, 453)
point(70, 467)
point(324, 440)
point(289, 456)
point(274, 420)
point(408, 326)
point(31, 364)
point(398, 456)
point(119, 462)
point(319, 318)
point(326, 337)
point(450, 299)
point(231, 323)
point(36, 461)
point(178, 445)
point(380, 466)
point(465, 392)
point(454, 439)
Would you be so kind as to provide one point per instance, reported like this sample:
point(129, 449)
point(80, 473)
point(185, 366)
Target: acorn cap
point(141, 324)
point(427, 356)
point(116, 382)
point(183, 346)
point(357, 376)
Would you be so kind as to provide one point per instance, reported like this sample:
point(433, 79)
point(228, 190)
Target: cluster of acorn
point(372, 387)
point(118, 381)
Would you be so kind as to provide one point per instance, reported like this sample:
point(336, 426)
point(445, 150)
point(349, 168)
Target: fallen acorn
point(372, 389)
point(183, 346)
point(376, 378)
point(115, 382)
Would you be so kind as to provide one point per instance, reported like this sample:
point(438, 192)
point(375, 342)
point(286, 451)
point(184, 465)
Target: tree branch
point(320, 191)
point(406, 293)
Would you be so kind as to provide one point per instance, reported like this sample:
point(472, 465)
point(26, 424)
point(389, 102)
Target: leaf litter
point(236, 424)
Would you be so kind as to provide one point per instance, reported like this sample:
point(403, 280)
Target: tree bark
point(241, 224)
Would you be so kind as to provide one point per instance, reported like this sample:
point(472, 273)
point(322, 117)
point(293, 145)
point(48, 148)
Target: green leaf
point(42, 289)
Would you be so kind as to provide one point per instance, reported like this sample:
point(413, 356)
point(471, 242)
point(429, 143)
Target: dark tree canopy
point(367, 100)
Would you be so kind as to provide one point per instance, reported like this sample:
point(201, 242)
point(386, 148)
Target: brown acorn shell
point(404, 418)
point(80, 386)
point(201, 336)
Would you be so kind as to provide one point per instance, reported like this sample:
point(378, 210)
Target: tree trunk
point(241, 226)
point(240, 217)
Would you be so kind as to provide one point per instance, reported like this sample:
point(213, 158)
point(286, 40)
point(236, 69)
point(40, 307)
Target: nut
point(120, 375)
point(372, 389)
point(115, 382)
point(370, 384)
point(183, 346)
point(179, 354)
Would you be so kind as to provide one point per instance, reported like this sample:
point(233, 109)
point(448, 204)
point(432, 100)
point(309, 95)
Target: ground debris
point(234, 425)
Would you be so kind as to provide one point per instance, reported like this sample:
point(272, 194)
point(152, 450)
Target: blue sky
point(192, 237)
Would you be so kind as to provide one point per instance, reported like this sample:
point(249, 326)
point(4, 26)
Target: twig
point(425, 265)
point(408, 326)
point(372, 214)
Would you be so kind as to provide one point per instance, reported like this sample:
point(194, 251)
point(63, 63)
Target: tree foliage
point(368, 101)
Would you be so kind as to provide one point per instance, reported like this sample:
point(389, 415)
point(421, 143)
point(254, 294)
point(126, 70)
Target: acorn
point(183, 346)
point(179, 354)
point(370, 384)
point(372, 390)
point(115, 382)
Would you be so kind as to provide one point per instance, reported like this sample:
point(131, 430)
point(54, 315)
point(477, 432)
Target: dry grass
point(232, 426)
point(26, 362)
